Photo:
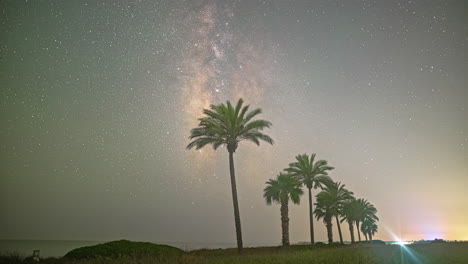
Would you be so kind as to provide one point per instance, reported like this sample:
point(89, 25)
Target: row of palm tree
point(334, 201)
point(225, 125)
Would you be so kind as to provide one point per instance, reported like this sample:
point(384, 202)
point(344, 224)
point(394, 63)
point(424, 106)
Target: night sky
point(97, 99)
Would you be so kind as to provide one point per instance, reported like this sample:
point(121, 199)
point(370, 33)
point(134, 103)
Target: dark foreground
point(427, 253)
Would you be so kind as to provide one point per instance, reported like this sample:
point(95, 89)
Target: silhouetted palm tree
point(336, 196)
point(312, 175)
point(364, 210)
point(324, 209)
point(281, 190)
point(225, 125)
point(369, 227)
point(349, 214)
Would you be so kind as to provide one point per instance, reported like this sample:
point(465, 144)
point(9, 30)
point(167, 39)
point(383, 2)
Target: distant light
point(402, 243)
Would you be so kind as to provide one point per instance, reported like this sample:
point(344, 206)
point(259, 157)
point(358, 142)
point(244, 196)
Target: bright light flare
point(402, 243)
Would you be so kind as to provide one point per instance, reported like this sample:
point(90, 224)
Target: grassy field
point(427, 253)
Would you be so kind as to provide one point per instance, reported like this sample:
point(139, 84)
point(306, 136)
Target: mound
point(123, 248)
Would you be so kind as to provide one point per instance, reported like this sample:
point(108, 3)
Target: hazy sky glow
point(97, 99)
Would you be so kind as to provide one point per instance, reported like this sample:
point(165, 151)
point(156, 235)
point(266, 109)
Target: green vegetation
point(281, 190)
point(336, 195)
point(123, 248)
point(224, 125)
point(313, 175)
point(432, 253)
point(365, 211)
point(330, 202)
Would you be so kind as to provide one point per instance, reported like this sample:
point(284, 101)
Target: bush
point(124, 248)
point(378, 242)
point(320, 244)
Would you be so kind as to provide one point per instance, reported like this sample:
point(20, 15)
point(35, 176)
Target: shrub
point(123, 248)
point(378, 242)
point(320, 244)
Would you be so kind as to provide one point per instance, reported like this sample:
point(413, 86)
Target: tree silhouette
point(324, 209)
point(281, 190)
point(349, 214)
point(225, 125)
point(312, 175)
point(369, 227)
point(335, 195)
point(364, 210)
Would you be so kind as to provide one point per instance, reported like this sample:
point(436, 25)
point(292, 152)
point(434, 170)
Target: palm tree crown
point(337, 195)
point(312, 174)
point(224, 124)
point(282, 189)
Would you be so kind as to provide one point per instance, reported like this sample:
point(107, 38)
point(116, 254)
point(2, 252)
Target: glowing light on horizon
point(401, 242)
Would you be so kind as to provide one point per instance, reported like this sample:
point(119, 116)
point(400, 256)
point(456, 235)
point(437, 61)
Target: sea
point(58, 248)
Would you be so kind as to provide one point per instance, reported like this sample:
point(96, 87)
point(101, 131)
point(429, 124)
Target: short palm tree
point(225, 125)
point(349, 214)
point(313, 175)
point(281, 190)
point(336, 196)
point(364, 210)
point(369, 228)
point(324, 209)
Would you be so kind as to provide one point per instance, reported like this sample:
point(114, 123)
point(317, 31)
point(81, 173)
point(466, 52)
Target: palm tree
point(349, 215)
point(369, 228)
point(364, 210)
point(336, 196)
point(281, 190)
point(312, 175)
point(324, 209)
point(225, 125)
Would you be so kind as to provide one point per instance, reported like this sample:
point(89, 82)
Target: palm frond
point(224, 124)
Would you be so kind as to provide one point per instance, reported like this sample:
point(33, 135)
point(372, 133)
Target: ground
point(417, 254)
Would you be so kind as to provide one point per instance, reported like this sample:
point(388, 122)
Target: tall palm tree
point(336, 196)
point(349, 214)
point(312, 174)
point(369, 228)
point(324, 209)
point(364, 210)
point(225, 125)
point(281, 190)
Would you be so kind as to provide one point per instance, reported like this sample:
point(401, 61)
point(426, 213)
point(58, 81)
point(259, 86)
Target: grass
point(450, 253)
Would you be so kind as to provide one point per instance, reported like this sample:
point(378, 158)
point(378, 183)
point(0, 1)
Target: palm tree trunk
point(351, 231)
point(365, 235)
point(358, 231)
point(235, 202)
point(339, 229)
point(285, 223)
point(329, 225)
point(311, 216)
point(370, 236)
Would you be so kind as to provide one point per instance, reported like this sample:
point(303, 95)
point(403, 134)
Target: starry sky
point(97, 99)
